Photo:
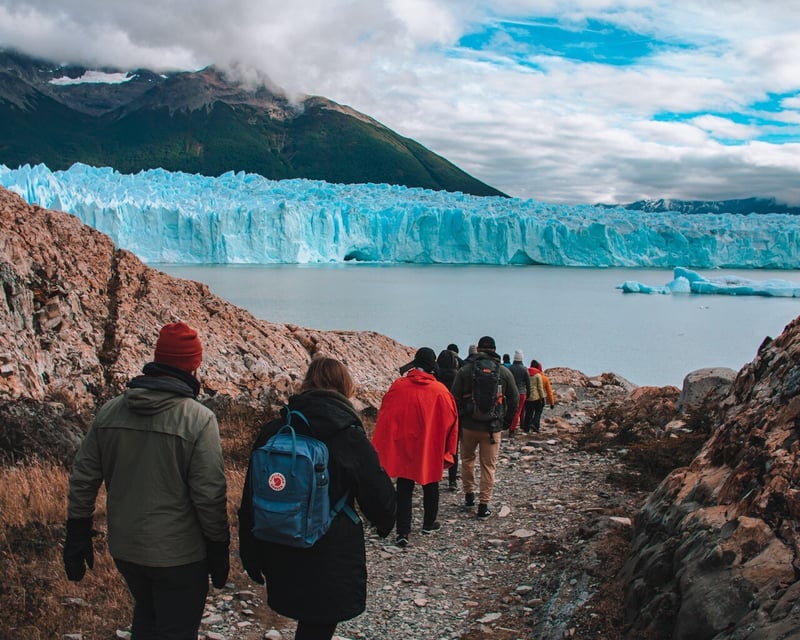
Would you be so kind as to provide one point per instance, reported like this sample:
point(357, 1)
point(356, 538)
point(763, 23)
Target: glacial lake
point(570, 317)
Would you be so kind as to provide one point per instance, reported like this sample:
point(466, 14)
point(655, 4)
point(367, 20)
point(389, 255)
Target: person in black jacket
point(449, 363)
point(326, 583)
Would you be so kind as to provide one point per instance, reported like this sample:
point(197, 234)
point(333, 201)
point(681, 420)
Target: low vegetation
point(37, 602)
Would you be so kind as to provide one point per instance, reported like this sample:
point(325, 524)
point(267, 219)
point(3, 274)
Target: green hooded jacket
point(158, 451)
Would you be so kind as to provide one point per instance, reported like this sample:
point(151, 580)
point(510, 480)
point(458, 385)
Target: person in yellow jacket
point(541, 392)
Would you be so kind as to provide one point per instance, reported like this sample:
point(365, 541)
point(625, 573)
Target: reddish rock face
point(79, 318)
point(716, 545)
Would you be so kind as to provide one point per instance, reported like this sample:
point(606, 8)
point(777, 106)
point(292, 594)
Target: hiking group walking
point(157, 449)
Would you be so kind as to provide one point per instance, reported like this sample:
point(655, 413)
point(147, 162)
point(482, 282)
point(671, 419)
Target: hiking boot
point(483, 511)
point(469, 500)
point(431, 528)
point(453, 486)
point(401, 540)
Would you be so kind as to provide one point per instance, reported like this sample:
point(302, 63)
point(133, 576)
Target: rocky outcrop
point(79, 318)
point(716, 550)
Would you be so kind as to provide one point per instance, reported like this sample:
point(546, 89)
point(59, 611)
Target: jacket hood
point(148, 402)
point(486, 354)
point(149, 395)
point(327, 411)
point(418, 376)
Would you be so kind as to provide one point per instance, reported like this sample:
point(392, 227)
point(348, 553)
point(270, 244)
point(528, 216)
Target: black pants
point(314, 631)
point(452, 472)
point(430, 504)
point(168, 601)
point(533, 414)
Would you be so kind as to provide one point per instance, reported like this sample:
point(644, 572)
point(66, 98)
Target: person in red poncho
point(416, 436)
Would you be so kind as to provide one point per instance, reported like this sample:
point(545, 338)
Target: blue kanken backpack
point(289, 479)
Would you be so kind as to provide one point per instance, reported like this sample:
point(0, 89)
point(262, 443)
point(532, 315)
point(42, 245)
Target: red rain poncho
point(416, 434)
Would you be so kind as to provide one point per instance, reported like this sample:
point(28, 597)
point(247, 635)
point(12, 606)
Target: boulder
point(704, 386)
point(642, 414)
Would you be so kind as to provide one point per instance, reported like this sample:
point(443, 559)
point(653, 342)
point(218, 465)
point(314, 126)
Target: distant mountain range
point(743, 206)
point(201, 122)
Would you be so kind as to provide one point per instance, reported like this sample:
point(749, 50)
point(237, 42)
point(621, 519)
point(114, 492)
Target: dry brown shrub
point(33, 492)
point(37, 602)
point(238, 429)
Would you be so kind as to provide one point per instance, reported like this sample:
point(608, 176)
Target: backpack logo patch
point(277, 482)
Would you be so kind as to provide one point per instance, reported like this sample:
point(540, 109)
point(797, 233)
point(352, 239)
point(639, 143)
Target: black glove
point(78, 550)
point(248, 554)
point(219, 564)
point(254, 571)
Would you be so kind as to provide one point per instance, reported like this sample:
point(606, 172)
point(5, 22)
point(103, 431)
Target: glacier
point(241, 218)
point(688, 281)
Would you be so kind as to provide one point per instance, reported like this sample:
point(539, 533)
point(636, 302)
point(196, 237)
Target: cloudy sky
point(560, 101)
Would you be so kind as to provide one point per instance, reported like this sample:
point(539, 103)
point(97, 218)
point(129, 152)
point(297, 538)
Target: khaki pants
point(470, 442)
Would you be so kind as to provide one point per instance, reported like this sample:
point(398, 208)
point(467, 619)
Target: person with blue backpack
point(314, 574)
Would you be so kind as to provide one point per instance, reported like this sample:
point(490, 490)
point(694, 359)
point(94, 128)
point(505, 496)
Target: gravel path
point(539, 567)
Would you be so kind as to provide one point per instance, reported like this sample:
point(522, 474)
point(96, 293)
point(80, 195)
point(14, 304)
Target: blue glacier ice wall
point(687, 281)
point(167, 217)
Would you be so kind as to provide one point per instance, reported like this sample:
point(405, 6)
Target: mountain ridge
point(203, 122)
point(738, 206)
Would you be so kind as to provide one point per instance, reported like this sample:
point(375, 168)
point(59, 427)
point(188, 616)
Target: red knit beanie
point(179, 346)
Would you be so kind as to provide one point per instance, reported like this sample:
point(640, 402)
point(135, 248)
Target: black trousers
point(430, 504)
point(533, 414)
point(168, 601)
point(314, 631)
point(452, 472)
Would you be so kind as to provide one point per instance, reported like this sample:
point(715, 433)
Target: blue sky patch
point(770, 129)
point(596, 42)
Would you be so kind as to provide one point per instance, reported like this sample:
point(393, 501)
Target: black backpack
point(448, 366)
point(487, 390)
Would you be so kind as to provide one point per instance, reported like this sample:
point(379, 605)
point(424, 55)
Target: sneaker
point(401, 541)
point(483, 511)
point(453, 486)
point(434, 527)
point(469, 500)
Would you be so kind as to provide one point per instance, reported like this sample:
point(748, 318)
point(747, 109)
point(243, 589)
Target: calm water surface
point(561, 316)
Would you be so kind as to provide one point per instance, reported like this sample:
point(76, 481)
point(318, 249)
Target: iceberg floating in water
point(173, 217)
point(687, 281)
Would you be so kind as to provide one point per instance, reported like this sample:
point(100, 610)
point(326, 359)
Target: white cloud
point(722, 128)
point(561, 131)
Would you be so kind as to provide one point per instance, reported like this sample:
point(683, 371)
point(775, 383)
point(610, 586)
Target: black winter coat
point(327, 582)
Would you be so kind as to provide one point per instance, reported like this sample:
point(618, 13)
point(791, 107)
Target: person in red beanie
point(178, 346)
point(157, 449)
